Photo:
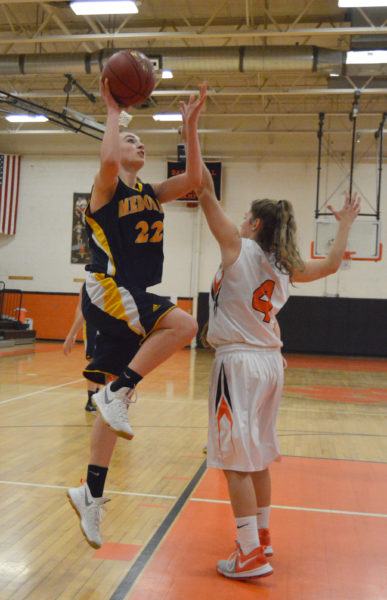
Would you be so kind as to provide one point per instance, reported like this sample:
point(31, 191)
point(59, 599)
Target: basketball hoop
point(346, 263)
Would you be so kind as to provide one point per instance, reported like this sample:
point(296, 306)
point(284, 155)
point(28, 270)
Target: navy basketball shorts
point(124, 319)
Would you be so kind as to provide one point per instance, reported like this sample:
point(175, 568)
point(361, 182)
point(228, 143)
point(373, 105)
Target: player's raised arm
point(106, 179)
point(223, 229)
point(316, 269)
point(179, 185)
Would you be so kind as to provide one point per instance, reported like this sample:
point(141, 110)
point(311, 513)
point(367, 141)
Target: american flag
point(9, 191)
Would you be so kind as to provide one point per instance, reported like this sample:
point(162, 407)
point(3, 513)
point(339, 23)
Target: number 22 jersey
point(126, 237)
point(244, 299)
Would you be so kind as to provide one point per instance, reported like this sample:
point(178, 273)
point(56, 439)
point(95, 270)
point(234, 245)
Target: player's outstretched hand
point(191, 111)
point(111, 104)
point(349, 210)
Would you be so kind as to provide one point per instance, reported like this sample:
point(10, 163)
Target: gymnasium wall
point(42, 245)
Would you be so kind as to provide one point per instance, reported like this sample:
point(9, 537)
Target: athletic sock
point(128, 379)
point(247, 533)
point(96, 477)
point(263, 516)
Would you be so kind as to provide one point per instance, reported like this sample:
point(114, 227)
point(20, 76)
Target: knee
point(187, 327)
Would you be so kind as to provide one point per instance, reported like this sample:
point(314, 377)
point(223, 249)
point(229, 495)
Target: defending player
point(249, 289)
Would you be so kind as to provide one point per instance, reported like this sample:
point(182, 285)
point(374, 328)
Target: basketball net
point(346, 263)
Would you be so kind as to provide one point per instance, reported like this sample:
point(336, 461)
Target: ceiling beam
point(221, 93)
point(193, 35)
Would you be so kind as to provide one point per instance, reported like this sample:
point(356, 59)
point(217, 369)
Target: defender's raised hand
point(349, 210)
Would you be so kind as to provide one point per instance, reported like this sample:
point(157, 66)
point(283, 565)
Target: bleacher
point(13, 327)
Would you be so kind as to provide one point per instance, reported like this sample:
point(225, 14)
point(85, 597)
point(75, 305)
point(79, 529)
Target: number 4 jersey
point(126, 236)
point(244, 299)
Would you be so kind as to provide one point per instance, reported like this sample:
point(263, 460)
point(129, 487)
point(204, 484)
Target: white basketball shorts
point(245, 392)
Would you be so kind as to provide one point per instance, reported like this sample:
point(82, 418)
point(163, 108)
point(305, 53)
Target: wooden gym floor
point(169, 520)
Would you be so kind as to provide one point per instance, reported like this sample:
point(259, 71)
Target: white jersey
point(244, 299)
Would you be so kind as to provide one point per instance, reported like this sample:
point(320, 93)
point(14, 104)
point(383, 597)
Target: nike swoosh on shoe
point(87, 501)
point(106, 398)
point(242, 564)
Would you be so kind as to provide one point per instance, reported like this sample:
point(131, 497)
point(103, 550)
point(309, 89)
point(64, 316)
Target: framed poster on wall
point(80, 252)
point(215, 168)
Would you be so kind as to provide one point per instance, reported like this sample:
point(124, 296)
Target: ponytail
point(277, 234)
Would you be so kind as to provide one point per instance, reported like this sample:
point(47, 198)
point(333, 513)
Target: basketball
point(131, 77)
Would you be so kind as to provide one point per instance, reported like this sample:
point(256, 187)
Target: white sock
point(263, 516)
point(247, 533)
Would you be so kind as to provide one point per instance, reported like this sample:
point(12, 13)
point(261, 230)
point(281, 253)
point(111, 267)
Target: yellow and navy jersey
point(126, 236)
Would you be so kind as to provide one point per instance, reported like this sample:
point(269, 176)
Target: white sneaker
point(113, 408)
point(89, 510)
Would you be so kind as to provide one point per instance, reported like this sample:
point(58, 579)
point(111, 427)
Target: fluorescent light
point(364, 57)
point(168, 117)
point(26, 118)
point(361, 3)
point(166, 74)
point(101, 7)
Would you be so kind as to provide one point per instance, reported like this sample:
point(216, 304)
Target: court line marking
point(48, 389)
point(64, 487)
point(306, 509)
point(146, 554)
point(209, 500)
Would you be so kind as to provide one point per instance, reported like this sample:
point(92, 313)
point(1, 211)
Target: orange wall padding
point(53, 314)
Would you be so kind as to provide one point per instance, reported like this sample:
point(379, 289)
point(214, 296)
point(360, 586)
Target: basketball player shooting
point(138, 330)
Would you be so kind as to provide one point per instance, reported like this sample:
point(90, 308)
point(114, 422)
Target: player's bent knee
point(187, 328)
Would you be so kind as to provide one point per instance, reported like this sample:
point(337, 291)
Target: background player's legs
point(91, 389)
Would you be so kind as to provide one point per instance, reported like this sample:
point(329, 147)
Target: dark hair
point(277, 234)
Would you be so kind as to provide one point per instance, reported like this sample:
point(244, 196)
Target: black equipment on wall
point(325, 325)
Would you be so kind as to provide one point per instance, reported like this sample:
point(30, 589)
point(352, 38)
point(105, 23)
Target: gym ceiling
point(272, 67)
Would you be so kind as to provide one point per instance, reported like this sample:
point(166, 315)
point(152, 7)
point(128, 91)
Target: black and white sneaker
point(89, 510)
point(113, 408)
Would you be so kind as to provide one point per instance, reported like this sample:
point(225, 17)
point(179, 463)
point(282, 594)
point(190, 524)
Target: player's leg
point(88, 500)
point(165, 329)
point(248, 560)
point(174, 331)
point(262, 486)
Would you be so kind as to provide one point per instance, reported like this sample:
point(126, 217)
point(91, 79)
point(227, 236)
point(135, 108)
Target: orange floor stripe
point(112, 551)
point(318, 556)
point(316, 483)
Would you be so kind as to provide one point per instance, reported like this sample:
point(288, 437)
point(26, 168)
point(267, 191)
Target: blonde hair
point(277, 234)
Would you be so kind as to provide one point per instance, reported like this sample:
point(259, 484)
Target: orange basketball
point(131, 77)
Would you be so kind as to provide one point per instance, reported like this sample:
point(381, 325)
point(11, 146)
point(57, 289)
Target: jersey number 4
point(261, 299)
point(155, 235)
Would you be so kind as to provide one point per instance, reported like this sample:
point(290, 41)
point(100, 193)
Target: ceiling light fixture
point(101, 7)
point(166, 74)
point(366, 57)
point(168, 117)
point(361, 3)
point(26, 118)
